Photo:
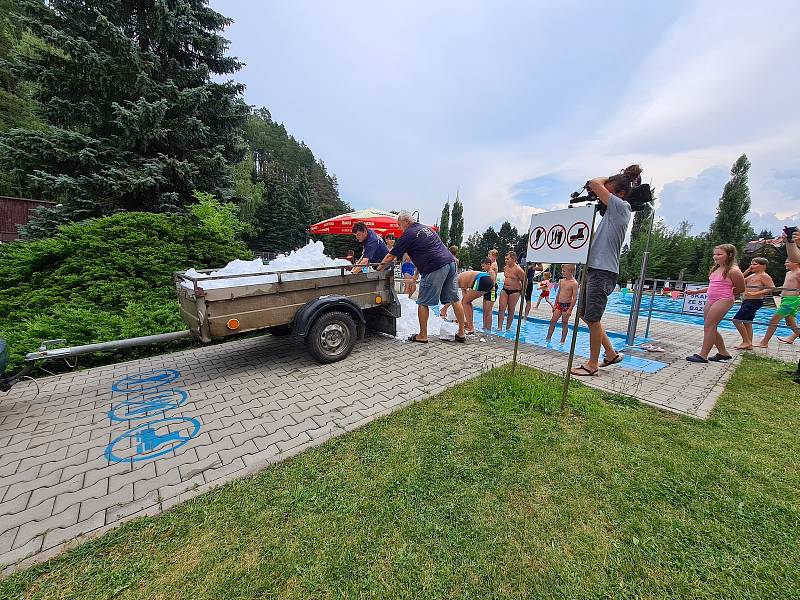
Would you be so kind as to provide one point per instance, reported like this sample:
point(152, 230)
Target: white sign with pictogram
point(560, 236)
point(696, 303)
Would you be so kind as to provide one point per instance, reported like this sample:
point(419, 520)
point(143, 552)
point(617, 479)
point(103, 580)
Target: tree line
point(113, 106)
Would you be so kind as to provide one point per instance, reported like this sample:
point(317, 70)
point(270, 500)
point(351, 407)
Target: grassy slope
point(486, 492)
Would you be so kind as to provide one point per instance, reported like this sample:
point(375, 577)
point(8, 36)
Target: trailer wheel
point(332, 336)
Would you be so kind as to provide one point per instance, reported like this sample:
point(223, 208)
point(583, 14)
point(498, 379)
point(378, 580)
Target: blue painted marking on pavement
point(148, 396)
point(153, 439)
point(145, 381)
point(148, 404)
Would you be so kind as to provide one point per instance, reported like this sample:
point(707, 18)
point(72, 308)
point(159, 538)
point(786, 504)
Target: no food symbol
point(578, 235)
point(556, 236)
point(537, 238)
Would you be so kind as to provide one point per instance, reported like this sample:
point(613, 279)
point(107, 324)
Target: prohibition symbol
point(578, 235)
point(556, 236)
point(537, 238)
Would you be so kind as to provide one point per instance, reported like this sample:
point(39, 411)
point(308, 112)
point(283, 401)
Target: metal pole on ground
point(633, 322)
point(519, 323)
point(650, 311)
point(581, 298)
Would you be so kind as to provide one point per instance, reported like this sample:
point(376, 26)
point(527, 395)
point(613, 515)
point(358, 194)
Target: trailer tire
point(332, 336)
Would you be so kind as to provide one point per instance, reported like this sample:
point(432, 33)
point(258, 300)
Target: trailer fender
point(306, 316)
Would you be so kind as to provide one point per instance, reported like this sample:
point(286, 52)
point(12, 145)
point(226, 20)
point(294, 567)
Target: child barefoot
point(565, 302)
point(545, 285)
point(757, 285)
point(790, 296)
point(725, 279)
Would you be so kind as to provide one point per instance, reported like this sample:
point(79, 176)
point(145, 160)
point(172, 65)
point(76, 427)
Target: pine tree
point(731, 225)
point(444, 223)
point(134, 120)
point(457, 223)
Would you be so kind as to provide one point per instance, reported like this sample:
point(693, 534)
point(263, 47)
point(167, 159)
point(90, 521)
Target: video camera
point(640, 196)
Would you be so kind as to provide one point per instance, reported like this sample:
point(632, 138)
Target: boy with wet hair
point(757, 285)
point(790, 295)
point(565, 301)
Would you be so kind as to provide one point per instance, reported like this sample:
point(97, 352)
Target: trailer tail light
point(378, 299)
point(233, 324)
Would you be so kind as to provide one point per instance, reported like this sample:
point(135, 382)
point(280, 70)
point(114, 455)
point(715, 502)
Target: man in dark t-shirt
point(374, 247)
point(436, 265)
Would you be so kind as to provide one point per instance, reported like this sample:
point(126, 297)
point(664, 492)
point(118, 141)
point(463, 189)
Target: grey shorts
point(439, 285)
point(599, 285)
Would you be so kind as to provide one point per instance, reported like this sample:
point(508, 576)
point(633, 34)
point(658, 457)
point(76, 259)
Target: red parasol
point(380, 221)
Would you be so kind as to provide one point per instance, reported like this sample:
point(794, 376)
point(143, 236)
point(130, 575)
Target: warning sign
point(560, 236)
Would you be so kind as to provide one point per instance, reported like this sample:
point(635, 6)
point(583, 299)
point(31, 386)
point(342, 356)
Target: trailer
point(330, 311)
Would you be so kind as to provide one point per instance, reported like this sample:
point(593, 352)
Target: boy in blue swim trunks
point(757, 285)
point(565, 301)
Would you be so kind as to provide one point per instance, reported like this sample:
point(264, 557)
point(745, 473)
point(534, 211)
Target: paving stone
point(92, 506)
point(33, 529)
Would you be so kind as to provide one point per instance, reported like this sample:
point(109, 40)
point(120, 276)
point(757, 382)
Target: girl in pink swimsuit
point(724, 281)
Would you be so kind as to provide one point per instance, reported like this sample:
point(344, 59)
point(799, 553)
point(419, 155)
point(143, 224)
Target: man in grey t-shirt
point(603, 266)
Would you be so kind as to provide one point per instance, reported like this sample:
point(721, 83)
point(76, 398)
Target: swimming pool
point(667, 309)
point(534, 331)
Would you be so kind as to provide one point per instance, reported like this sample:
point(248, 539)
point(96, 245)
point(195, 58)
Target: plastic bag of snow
point(408, 322)
point(448, 331)
point(310, 256)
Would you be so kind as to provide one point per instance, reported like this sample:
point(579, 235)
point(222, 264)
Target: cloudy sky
point(518, 103)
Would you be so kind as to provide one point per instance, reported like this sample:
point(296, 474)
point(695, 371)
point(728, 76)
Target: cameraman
point(603, 263)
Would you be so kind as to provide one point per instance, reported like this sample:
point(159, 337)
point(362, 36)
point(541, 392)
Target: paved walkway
point(95, 448)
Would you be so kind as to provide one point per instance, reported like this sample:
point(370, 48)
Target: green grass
point(486, 491)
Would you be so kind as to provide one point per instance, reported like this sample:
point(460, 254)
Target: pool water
point(534, 331)
point(667, 309)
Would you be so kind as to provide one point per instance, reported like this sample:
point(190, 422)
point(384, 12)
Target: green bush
point(103, 280)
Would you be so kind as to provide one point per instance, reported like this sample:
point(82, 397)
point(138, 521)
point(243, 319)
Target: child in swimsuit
point(565, 301)
point(757, 285)
point(790, 298)
point(409, 272)
point(545, 286)
point(724, 280)
point(512, 286)
point(475, 284)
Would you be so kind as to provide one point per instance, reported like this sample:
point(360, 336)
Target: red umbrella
point(380, 221)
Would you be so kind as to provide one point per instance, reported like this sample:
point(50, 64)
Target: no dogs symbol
point(556, 236)
point(537, 238)
point(578, 235)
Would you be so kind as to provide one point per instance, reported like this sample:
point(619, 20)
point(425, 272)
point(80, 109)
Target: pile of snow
point(311, 255)
point(408, 323)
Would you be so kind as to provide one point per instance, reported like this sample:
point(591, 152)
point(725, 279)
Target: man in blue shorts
point(436, 265)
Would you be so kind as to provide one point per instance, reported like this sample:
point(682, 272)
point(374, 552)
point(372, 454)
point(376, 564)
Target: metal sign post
point(581, 299)
point(562, 236)
point(519, 320)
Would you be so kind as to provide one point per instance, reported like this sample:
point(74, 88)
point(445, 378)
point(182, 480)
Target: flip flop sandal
point(784, 341)
point(719, 357)
point(586, 372)
point(617, 359)
point(696, 358)
point(413, 338)
point(460, 339)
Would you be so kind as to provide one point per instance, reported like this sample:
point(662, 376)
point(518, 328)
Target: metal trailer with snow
point(330, 313)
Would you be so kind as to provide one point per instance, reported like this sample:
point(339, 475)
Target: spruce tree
point(457, 223)
point(731, 225)
point(134, 120)
point(444, 223)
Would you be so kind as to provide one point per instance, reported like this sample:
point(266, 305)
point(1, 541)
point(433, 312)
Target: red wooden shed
point(15, 212)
